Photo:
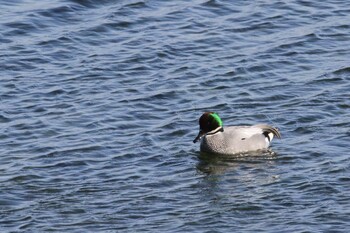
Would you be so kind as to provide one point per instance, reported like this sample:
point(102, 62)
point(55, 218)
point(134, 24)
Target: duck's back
point(236, 139)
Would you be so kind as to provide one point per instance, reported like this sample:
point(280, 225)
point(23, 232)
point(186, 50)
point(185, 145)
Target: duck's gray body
point(238, 139)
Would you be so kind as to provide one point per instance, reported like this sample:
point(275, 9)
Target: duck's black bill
point(199, 136)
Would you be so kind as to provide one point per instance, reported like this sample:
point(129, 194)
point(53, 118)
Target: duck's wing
point(269, 131)
point(245, 138)
point(237, 139)
point(245, 132)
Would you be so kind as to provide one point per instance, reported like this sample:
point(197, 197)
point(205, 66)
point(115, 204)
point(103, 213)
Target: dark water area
point(100, 102)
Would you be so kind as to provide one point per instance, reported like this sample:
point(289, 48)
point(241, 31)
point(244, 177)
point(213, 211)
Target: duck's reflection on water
point(239, 182)
point(219, 164)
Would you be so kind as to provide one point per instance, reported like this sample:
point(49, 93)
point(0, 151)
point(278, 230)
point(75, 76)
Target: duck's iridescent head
point(208, 122)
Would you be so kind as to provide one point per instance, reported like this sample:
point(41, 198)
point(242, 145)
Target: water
point(100, 102)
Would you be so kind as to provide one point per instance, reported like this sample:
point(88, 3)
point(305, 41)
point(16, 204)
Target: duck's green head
point(208, 122)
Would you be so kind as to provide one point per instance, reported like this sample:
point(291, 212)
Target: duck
point(214, 138)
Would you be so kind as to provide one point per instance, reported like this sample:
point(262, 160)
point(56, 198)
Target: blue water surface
point(100, 102)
